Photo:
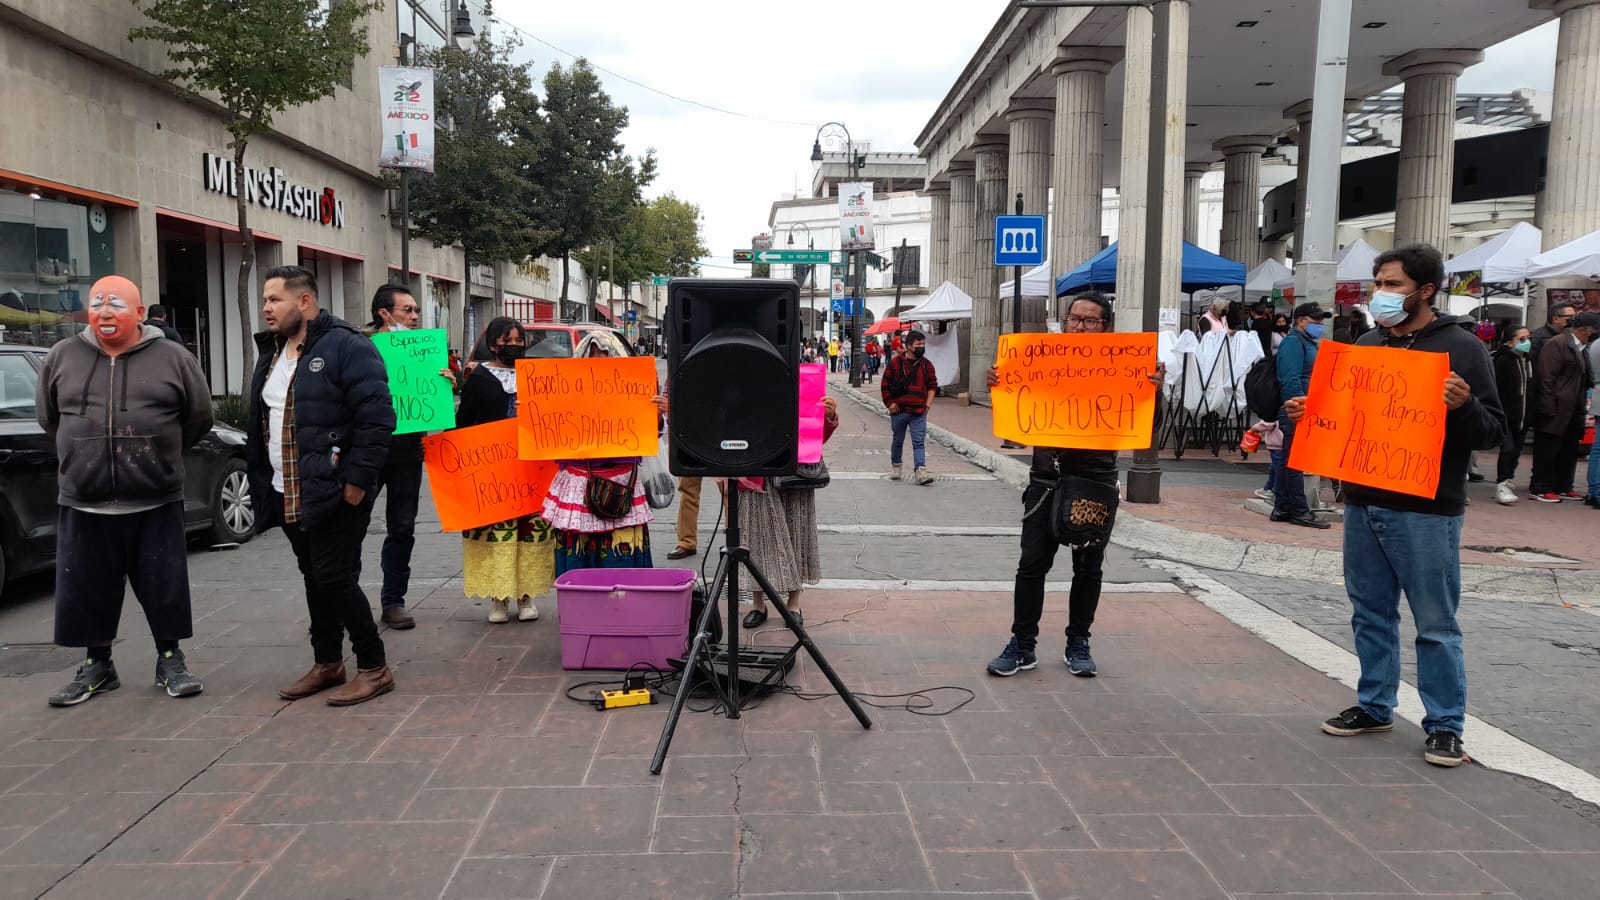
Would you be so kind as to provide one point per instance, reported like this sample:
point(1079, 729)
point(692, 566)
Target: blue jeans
point(918, 424)
point(1386, 552)
point(1278, 458)
point(1289, 493)
point(1594, 470)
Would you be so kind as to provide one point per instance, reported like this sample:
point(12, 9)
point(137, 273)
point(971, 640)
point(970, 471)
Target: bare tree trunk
point(566, 257)
point(247, 264)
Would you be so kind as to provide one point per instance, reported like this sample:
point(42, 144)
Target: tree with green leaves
point(588, 185)
point(481, 191)
point(255, 59)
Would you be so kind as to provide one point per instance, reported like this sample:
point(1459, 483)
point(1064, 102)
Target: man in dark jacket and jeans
point(122, 404)
point(1297, 355)
point(1398, 542)
point(319, 427)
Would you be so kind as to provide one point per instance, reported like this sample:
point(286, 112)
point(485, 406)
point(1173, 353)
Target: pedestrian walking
point(908, 386)
point(121, 403)
point(1512, 372)
point(1089, 313)
point(833, 355)
point(1297, 355)
point(319, 426)
point(513, 560)
point(1562, 371)
point(1396, 543)
point(394, 309)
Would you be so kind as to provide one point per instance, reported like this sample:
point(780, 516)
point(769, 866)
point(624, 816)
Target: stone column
point(939, 233)
point(1278, 250)
point(1028, 173)
point(1301, 114)
point(1427, 143)
point(1571, 201)
point(962, 216)
point(1135, 147)
point(1078, 174)
point(1192, 173)
point(1241, 197)
point(991, 199)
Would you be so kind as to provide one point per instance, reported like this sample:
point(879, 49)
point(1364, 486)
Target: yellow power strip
point(617, 699)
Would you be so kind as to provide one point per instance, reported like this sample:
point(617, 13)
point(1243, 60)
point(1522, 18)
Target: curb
point(1209, 551)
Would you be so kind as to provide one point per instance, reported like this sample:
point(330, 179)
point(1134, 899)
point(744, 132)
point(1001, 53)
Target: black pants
point(1510, 456)
point(1555, 459)
point(1038, 555)
point(98, 555)
point(403, 478)
point(329, 554)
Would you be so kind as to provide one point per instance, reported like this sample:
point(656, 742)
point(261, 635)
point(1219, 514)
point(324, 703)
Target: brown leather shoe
point(396, 617)
point(367, 684)
point(321, 677)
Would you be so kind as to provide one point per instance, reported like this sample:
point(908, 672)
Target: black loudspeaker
point(733, 363)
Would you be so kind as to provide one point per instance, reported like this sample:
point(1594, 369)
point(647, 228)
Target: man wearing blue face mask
point(1296, 356)
point(1397, 542)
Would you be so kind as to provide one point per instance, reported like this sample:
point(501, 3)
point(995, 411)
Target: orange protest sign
point(590, 408)
point(1374, 417)
point(477, 478)
point(1081, 391)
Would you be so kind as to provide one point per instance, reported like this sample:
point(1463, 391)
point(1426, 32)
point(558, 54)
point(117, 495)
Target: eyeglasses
point(407, 310)
point(1085, 321)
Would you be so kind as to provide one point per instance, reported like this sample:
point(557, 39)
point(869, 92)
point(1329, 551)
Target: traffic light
point(744, 256)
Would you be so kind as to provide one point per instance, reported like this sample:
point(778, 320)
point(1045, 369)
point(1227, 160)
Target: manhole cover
point(1523, 554)
point(32, 659)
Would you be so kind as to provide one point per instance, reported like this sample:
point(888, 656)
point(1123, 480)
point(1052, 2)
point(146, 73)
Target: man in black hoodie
point(1398, 542)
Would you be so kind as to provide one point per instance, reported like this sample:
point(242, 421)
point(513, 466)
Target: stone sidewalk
point(1528, 551)
point(1191, 769)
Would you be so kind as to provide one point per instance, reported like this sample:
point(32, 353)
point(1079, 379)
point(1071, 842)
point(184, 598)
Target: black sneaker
point(1077, 658)
point(93, 678)
point(1354, 721)
point(1444, 749)
point(174, 675)
point(1012, 659)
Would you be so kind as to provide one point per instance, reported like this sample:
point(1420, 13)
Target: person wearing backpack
point(1296, 357)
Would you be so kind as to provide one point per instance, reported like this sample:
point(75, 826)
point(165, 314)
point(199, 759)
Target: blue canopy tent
point(1201, 269)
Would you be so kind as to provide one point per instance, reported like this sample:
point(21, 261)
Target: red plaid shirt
point(920, 379)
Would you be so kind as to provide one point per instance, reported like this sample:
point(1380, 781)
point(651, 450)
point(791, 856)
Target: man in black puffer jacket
point(319, 426)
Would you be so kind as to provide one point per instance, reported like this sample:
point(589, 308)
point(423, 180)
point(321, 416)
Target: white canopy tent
point(1503, 260)
point(1353, 264)
point(946, 302)
point(1036, 283)
point(1578, 259)
point(1263, 279)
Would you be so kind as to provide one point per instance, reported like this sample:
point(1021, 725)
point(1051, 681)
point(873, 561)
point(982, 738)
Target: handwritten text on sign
point(1081, 391)
point(1374, 417)
point(477, 478)
point(423, 400)
point(586, 408)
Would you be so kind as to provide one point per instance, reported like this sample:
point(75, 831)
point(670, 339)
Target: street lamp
point(460, 22)
point(852, 165)
point(811, 244)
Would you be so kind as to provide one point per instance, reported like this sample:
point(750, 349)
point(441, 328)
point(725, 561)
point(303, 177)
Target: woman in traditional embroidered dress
point(510, 560)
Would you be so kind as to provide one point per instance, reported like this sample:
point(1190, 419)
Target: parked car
point(557, 340)
point(216, 491)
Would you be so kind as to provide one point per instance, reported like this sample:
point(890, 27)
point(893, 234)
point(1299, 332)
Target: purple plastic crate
point(614, 618)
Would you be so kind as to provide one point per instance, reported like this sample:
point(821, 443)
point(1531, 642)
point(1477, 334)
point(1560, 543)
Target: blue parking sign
point(1018, 240)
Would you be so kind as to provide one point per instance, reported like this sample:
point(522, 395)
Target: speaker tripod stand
point(704, 656)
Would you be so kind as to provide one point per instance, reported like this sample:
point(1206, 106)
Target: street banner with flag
point(855, 216)
point(405, 95)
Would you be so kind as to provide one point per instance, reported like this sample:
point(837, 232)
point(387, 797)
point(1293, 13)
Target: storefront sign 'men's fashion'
point(270, 189)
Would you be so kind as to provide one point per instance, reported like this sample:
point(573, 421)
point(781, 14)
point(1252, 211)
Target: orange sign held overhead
point(591, 408)
point(1079, 391)
point(477, 478)
point(1374, 417)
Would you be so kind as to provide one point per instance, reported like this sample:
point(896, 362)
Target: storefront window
point(51, 251)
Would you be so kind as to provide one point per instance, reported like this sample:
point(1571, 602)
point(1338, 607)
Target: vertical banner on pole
point(405, 100)
point(855, 216)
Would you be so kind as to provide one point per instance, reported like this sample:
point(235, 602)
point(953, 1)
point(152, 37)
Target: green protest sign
point(422, 397)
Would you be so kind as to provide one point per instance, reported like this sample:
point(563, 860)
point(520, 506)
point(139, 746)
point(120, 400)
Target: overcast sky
point(776, 72)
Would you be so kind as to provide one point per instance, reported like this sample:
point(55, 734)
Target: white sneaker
point(526, 611)
point(1506, 493)
point(894, 473)
point(1264, 494)
point(498, 612)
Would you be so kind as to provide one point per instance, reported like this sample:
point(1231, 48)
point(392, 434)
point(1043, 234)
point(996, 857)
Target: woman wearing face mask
point(1280, 330)
point(510, 560)
point(1512, 370)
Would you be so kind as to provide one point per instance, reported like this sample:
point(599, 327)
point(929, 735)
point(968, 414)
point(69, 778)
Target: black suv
point(216, 492)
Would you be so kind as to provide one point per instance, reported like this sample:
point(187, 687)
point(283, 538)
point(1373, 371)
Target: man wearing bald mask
point(122, 404)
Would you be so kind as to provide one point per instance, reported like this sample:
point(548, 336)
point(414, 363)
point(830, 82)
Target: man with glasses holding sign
point(1046, 393)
